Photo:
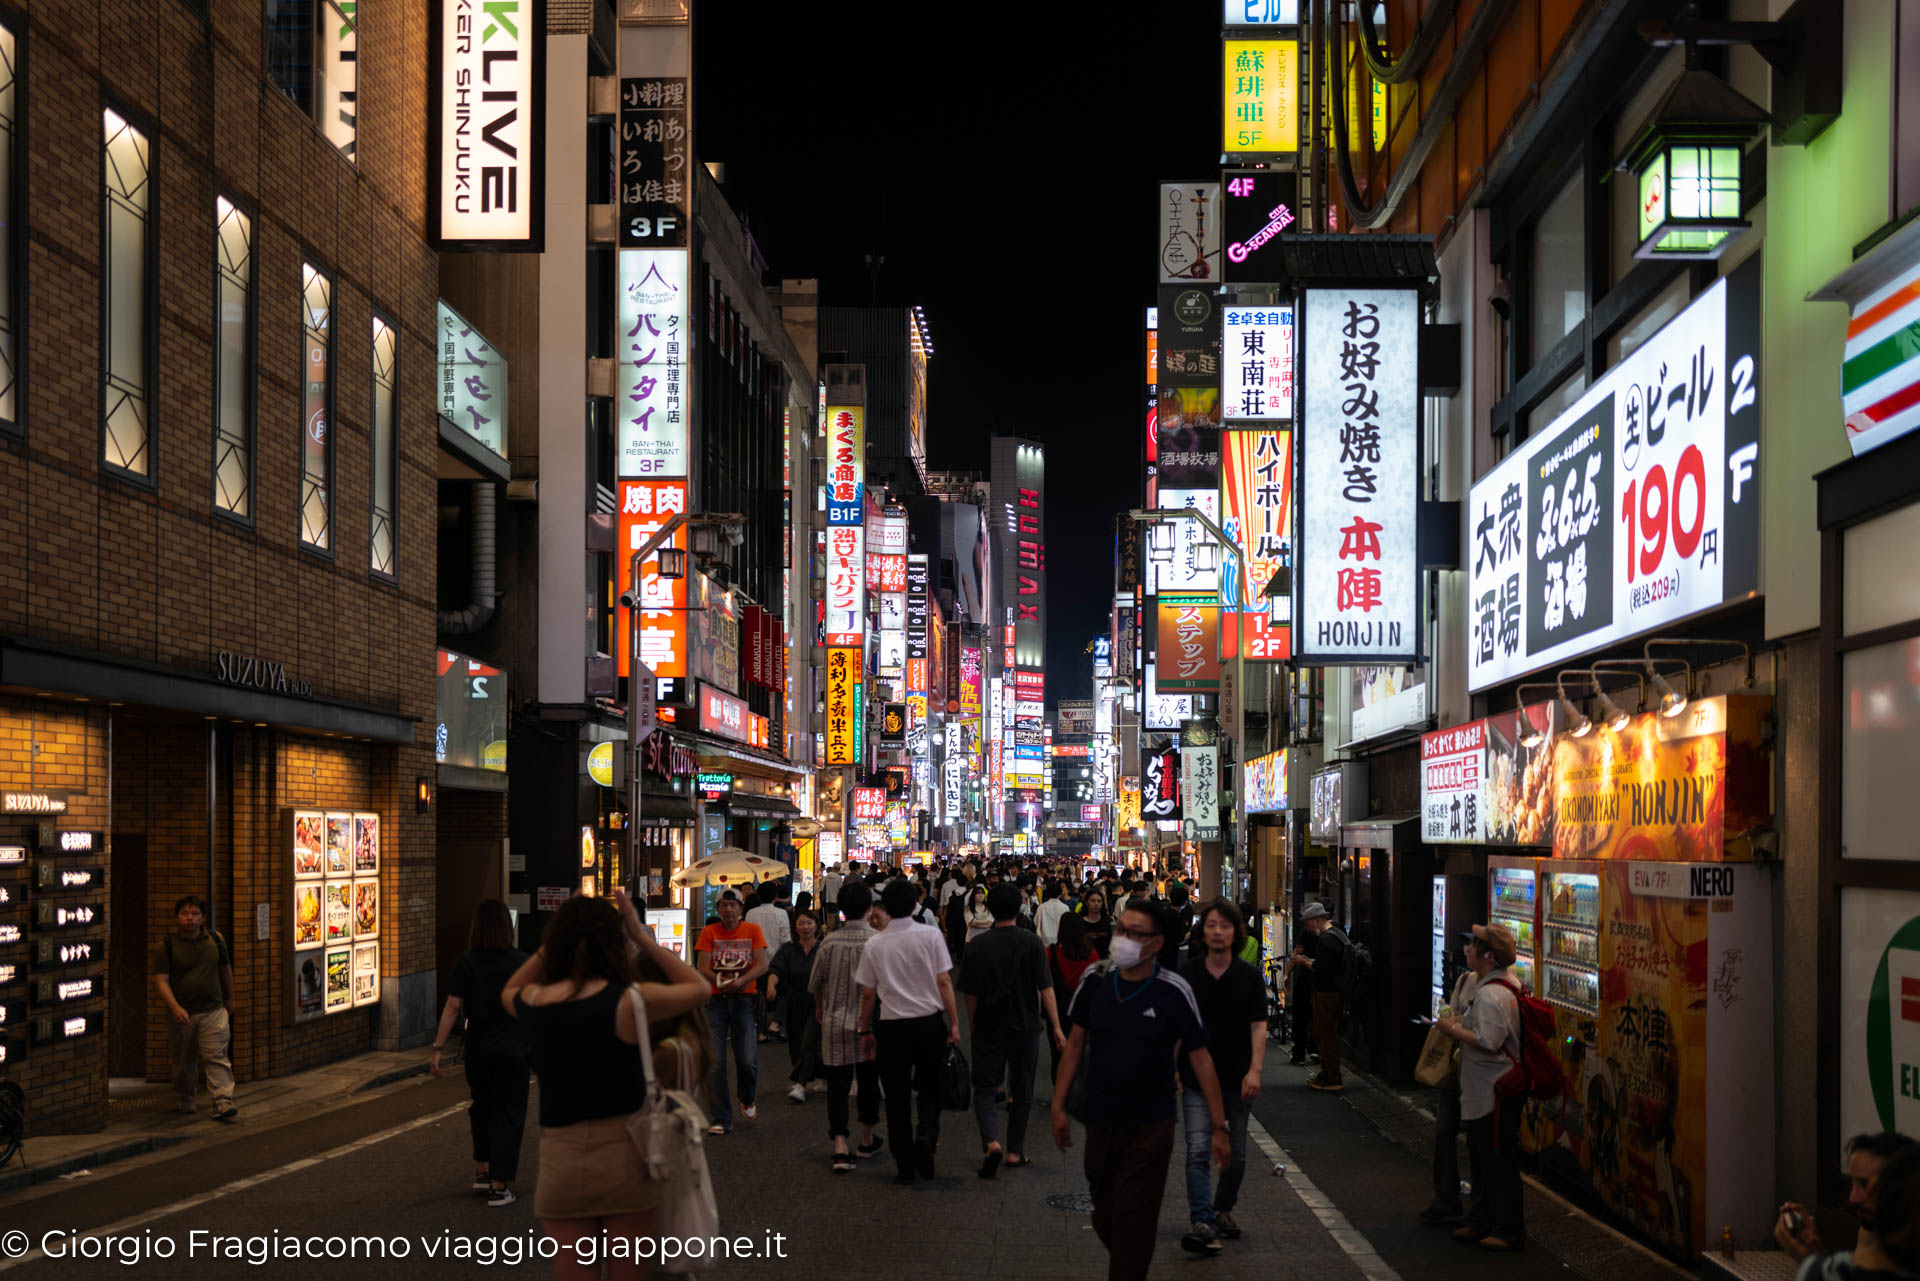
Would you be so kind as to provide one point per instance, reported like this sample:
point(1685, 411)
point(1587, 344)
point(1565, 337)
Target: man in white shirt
point(830, 888)
point(777, 929)
point(1047, 919)
point(1489, 1036)
point(905, 970)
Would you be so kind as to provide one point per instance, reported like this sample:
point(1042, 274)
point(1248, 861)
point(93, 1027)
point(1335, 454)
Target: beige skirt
point(591, 1169)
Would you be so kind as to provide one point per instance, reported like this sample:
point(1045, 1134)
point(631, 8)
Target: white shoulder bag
point(669, 1133)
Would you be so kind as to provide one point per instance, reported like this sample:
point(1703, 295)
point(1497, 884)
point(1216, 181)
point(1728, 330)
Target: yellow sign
point(843, 706)
point(1126, 809)
point(1260, 88)
point(600, 764)
point(494, 755)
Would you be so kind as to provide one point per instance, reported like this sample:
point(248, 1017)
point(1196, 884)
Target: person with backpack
point(1335, 969)
point(1490, 1034)
point(193, 973)
point(1005, 978)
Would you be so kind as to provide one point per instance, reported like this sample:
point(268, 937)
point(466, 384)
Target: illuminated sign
point(1258, 206)
point(1256, 363)
point(651, 350)
point(846, 464)
point(53, 916)
point(489, 131)
point(1453, 772)
point(844, 710)
point(1264, 784)
point(1637, 507)
point(35, 802)
point(656, 178)
point(713, 785)
point(70, 842)
point(1260, 80)
point(1261, 13)
point(1257, 480)
point(893, 722)
point(1181, 573)
point(869, 804)
point(1188, 657)
point(65, 1027)
point(12, 855)
point(1189, 235)
point(1357, 582)
point(1200, 788)
point(723, 714)
point(970, 668)
point(846, 601)
point(50, 954)
point(917, 619)
point(60, 991)
point(473, 381)
point(50, 878)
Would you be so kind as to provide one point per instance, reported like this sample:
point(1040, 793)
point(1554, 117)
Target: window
point(1557, 288)
point(9, 308)
point(127, 304)
point(1555, 403)
point(311, 55)
point(385, 405)
point(316, 409)
point(1667, 304)
point(233, 360)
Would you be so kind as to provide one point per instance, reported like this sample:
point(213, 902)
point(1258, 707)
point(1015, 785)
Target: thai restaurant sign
point(487, 188)
point(1636, 508)
point(1679, 789)
point(651, 352)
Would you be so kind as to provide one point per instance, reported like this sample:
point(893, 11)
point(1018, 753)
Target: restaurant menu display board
point(334, 958)
point(1481, 784)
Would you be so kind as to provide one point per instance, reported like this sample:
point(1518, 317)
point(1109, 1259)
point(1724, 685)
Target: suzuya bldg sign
point(1357, 592)
point(1639, 506)
point(486, 187)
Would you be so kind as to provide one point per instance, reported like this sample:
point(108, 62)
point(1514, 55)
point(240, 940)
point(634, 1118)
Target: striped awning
point(1880, 378)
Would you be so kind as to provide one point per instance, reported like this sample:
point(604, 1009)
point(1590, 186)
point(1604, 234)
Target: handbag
point(1076, 1106)
point(668, 1132)
point(956, 1082)
point(1439, 1064)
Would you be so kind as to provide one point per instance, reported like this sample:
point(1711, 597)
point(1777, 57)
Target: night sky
point(1007, 170)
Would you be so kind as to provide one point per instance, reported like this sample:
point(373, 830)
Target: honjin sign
point(487, 189)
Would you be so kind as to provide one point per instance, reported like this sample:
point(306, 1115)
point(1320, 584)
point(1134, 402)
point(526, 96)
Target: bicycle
point(1279, 1021)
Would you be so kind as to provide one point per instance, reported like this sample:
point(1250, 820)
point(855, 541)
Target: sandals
point(1015, 1162)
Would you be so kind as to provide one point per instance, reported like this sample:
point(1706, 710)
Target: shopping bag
point(956, 1082)
point(1439, 1064)
point(668, 1131)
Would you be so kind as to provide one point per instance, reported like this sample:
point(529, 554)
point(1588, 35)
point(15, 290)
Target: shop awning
point(1382, 832)
point(1338, 258)
point(748, 805)
point(664, 811)
point(36, 668)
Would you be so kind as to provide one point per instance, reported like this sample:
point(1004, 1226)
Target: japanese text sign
point(1265, 787)
point(846, 585)
point(917, 614)
point(1357, 589)
point(869, 804)
point(723, 714)
point(473, 381)
point(1637, 507)
point(1160, 784)
point(645, 508)
point(844, 709)
point(655, 152)
point(1188, 656)
point(649, 398)
point(1261, 13)
point(1453, 775)
point(1261, 96)
point(1256, 364)
point(846, 464)
point(970, 669)
point(1200, 786)
point(1257, 478)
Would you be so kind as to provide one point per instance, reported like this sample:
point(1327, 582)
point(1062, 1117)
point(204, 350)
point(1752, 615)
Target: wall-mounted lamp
point(672, 562)
point(1531, 735)
point(1578, 726)
point(1686, 167)
point(422, 795)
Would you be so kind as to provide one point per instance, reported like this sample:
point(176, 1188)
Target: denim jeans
point(1204, 1200)
point(732, 1017)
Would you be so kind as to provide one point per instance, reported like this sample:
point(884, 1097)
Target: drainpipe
point(476, 615)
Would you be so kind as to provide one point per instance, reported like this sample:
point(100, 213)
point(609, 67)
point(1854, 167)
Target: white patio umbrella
point(730, 865)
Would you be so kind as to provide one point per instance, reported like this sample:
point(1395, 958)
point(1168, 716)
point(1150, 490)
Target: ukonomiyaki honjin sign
point(1357, 592)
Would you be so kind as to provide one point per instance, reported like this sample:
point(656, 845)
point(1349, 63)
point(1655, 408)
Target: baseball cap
point(1500, 939)
point(728, 896)
point(1314, 911)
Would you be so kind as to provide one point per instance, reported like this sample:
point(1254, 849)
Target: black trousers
point(498, 1113)
point(1127, 1173)
point(867, 1072)
point(910, 1054)
point(996, 1056)
point(1499, 1199)
point(1446, 1151)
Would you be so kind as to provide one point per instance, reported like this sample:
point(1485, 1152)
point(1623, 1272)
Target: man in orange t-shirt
point(732, 956)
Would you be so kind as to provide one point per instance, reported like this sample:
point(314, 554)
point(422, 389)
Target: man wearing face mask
point(1139, 1017)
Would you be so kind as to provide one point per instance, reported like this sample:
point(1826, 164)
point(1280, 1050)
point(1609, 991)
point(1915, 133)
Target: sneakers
point(798, 1094)
point(749, 1111)
point(1319, 1081)
point(499, 1196)
point(716, 1128)
point(873, 1149)
point(1203, 1239)
point(228, 1117)
point(1223, 1224)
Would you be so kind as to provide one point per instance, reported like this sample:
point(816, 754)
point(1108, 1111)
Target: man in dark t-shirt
point(193, 973)
point(1233, 1009)
point(1130, 1018)
point(1010, 1000)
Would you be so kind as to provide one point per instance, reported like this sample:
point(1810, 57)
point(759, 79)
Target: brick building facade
point(217, 497)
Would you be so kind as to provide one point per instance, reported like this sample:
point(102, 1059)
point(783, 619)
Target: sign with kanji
point(846, 464)
point(1256, 479)
point(1256, 364)
point(656, 147)
point(650, 352)
point(473, 381)
point(1357, 579)
point(846, 602)
point(1160, 784)
point(645, 508)
point(1261, 97)
point(1453, 778)
point(869, 804)
point(1188, 655)
point(1637, 507)
point(1200, 788)
point(844, 710)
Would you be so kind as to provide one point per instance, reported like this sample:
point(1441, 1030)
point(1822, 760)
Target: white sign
point(1637, 507)
point(1189, 231)
point(892, 659)
point(1165, 711)
point(1182, 574)
point(651, 349)
point(889, 535)
point(1453, 773)
point(473, 382)
point(489, 139)
point(1261, 13)
point(1200, 788)
point(1357, 582)
point(1256, 363)
point(846, 584)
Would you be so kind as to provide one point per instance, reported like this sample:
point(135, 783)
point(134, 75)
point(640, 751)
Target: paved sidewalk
point(142, 1118)
point(772, 1175)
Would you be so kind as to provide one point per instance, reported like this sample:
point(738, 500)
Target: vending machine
point(1511, 886)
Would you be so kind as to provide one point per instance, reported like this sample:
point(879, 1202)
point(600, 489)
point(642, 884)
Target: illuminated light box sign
point(1636, 508)
point(845, 713)
point(651, 350)
point(713, 786)
point(1259, 205)
point(61, 991)
point(1357, 582)
point(646, 507)
point(655, 179)
point(1256, 363)
point(52, 954)
point(1189, 232)
point(486, 185)
point(1260, 13)
point(1453, 774)
point(846, 464)
point(1261, 97)
point(846, 600)
point(52, 878)
point(51, 1030)
point(13, 855)
point(12, 893)
point(33, 802)
point(59, 916)
point(64, 841)
point(12, 1014)
point(12, 932)
point(473, 381)
point(723, 714)
point(12, 972)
